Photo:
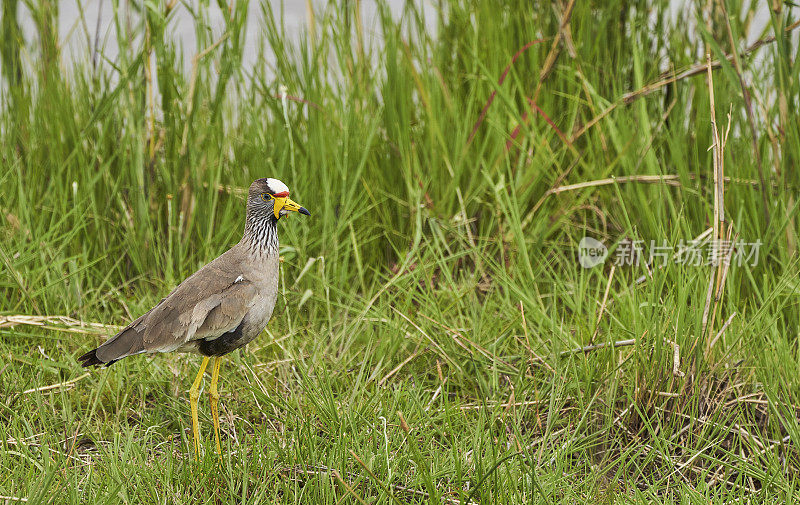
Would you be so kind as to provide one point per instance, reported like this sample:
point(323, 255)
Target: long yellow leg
point(194, 394)
point(214, 394)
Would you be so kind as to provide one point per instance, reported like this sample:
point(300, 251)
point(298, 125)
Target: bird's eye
point(266, 197)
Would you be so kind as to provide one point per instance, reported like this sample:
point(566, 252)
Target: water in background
point(84, 24)
point(87, 29)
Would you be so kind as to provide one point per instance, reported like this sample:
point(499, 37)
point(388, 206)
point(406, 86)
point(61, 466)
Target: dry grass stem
point(505, 404)
point(57, 386)
point(595, 347)
point(349, 489)
point(399, 367)
point(721, 331)
point(57, 323)
point(603, 304)
point(669, 179)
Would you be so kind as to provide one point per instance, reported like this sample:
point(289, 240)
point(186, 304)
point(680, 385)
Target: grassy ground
point(422, 346)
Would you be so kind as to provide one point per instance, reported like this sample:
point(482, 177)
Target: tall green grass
point(422, 346)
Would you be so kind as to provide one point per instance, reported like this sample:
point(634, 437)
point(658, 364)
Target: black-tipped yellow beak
point(284, 202)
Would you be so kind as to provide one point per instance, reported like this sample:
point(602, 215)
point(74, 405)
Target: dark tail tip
point(90, 359)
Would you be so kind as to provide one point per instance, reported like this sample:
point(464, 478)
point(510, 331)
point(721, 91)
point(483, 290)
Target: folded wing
point(210, 303)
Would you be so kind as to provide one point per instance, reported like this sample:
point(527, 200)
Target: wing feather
point(208, 304)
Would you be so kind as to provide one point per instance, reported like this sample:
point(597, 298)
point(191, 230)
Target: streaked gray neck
point(260, 230)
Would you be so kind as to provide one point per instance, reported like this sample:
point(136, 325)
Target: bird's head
point(269, 196)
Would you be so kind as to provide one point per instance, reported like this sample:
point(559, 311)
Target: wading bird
point(221, 307)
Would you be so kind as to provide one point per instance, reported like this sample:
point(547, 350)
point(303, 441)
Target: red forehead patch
point(282, 193)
